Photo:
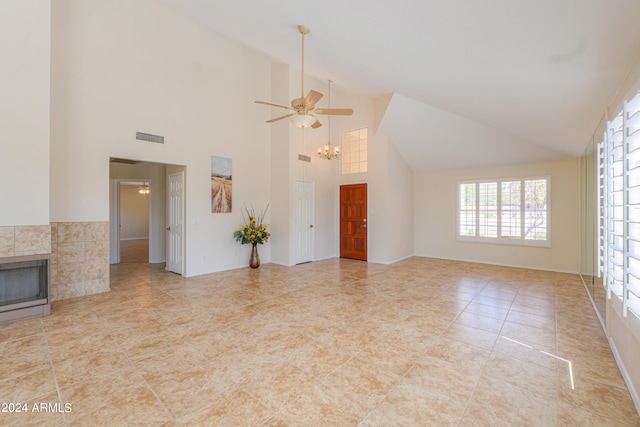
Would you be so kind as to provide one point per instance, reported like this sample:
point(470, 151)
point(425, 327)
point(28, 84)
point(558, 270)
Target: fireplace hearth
point(24, 287)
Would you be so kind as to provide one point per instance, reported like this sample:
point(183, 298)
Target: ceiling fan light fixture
point(302, 120)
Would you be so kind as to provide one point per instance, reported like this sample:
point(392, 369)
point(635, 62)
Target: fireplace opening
point(24, 287)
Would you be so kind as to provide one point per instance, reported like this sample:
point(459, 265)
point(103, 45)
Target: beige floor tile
point(498, 403)
point(541, 322)
point(458, 353)
point(533, 353)
point(527, 375)
point(479, 321)
point(335, 342)
point(17, 365)
point(363, 381)
point(142, 406)
point(326, 405)
point(392, 353)
point(93, 393)
point(529, 334)
point(411, 404)
point(598, 398)
point(21, 329)
point(318, 358)
point(278, 385)
point(487, 310)
point(446, 378)
point(571, 416)
point(43, 411)
point(27, 387)
point(65, 344)
point(189, 391)
point(233, 408)
point(92, 365)
point(469, 335)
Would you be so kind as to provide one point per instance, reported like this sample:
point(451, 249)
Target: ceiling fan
point(303, 107)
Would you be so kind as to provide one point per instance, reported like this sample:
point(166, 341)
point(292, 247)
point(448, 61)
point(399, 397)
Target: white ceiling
point(476, 82)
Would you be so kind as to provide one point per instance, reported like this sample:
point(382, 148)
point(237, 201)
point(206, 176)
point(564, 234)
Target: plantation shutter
point(602, 214)
point(615, 207)
point(467, 209)
point(631, 118)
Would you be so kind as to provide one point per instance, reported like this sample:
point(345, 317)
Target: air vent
point(149, 137)
point(125, 161)
point(304, 158)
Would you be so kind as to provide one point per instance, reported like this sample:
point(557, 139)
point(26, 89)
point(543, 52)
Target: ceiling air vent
point(125, 161)
point(149, 137)
point(304, 158)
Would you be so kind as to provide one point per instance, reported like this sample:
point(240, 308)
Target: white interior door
point(303, 218)
point(175, 228)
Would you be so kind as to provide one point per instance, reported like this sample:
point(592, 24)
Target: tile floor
point(134, 251)
point(337, 342)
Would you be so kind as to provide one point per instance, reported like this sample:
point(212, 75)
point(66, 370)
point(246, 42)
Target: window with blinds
point(620, 168)
point(510, 211)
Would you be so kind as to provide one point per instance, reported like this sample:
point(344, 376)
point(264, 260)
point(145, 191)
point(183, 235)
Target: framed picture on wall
point(221, 188)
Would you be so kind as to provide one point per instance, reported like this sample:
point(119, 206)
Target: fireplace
point(24, 287)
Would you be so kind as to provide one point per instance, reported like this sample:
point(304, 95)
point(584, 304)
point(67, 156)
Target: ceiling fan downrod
point(303, 31)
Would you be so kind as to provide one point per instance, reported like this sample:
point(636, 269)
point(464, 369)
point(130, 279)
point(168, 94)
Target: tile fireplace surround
point(79, 254)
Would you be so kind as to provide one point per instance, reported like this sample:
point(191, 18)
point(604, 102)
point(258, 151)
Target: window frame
point(499, 239)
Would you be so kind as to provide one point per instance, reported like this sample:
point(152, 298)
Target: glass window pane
point(535, 209)
point(510, 218)
point(354, 154)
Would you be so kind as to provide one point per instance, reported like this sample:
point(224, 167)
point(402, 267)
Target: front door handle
point(169, 228)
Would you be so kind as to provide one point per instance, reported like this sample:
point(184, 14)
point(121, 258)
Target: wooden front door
point(353, 221)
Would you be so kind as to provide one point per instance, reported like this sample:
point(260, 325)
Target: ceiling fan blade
point(286, 116)
point(334, 111)
point(273, 105)
point(316, 125)
point(313, 97)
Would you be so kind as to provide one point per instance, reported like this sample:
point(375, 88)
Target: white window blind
point(632, 145)
point(511, 218)
point(615, 206)
point(467, 209)
point(621, 231)
point(511, 211)
point(488, 209)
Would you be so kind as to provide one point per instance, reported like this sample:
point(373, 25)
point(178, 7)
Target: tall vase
point(254, 260)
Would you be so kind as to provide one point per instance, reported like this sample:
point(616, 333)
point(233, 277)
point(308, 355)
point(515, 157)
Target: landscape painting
point(221, 189)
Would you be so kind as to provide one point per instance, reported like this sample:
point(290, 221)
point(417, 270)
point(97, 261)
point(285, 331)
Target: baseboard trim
point(475, 261)
point(625, 375)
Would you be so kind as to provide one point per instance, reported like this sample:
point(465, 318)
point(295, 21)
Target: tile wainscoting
point(25, 240)
point(79, 259)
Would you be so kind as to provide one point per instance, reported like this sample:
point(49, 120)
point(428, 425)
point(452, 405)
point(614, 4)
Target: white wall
point(400, 203)
point(435, 218)
point(25, 38)
point(122, 67)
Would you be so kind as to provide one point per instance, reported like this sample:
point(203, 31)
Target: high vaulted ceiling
point(476, 82)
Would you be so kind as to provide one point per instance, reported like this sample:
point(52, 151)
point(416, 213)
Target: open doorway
point(135, 199)
point(129, 176)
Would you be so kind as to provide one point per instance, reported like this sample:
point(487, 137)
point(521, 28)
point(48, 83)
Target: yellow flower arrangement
point(254, 230)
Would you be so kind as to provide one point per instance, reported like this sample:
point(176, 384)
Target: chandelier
point(144, 188)
point(329, 151)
